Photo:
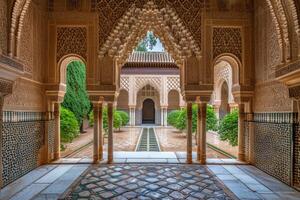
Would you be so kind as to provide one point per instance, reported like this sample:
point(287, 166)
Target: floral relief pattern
point(71, 40)
point(227, 40)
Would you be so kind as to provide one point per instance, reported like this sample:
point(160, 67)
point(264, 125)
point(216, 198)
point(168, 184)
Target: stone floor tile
point(240, 190)
point(29, 192)
point(54, 174)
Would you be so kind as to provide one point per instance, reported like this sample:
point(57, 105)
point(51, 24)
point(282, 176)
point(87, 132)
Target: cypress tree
point(76, 98)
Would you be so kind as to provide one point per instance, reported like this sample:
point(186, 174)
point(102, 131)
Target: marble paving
point(149, 181)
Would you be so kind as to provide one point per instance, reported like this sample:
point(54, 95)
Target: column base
point(202, 160)
point(56, 156)
point(95, 159)
point(241, 157)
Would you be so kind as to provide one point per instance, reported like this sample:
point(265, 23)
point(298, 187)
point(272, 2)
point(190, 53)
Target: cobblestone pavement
point(148, 181)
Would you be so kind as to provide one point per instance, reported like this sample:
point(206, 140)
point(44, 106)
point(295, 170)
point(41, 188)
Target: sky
point(158, 47)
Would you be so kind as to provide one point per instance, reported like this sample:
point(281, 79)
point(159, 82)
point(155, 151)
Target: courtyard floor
point(126, 139)
point(147, 181)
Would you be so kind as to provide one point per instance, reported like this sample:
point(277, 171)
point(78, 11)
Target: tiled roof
point(150, 57)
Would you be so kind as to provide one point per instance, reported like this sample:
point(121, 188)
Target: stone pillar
point(241, 134)
point(96, 133)
point(166, 117)
point(100, 131)
point(110, 132)
point(217, 110)
point(57, 131)
point(132, 115)
point(189, 158)
point(251, 137)
point(202, 133)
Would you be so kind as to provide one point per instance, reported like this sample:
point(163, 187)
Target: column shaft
point(241, 138)
point(189, 133)
point(198, 132)
point(100, 132)
point(202, 135)
point(110, 133)
point(57, 131)
point(96, 134)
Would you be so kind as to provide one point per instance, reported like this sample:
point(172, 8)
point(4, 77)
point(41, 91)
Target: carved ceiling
point(134, 24)
point(111, 11)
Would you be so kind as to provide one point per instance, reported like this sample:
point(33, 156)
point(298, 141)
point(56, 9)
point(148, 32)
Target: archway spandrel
point(71, 40)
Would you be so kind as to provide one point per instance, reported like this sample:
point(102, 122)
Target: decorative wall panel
point(71, 40)
point(26, 96)
point(272, 96)
point(296, 174)
point(3, 26)
point(273, 144)
point(22, 141)
point(26, 41)
point(51, 135)
point(227, 40)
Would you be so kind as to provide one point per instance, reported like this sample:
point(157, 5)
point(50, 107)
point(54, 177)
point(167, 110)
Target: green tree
point(147, 43)
point(124, 116)
point(69, 128)
point(76, 98)
point(229, 128)
point(172, 117)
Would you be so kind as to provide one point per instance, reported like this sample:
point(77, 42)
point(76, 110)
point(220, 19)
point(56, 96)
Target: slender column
point(1, 139)
point(96, 133)
point(110, 132)
point(57, 131)
point(198, 132)
point(241, 138)
point(166, 117)
point(202, 135)
point(100, 131)
point(217, 110)
point(161, 116)
point(189, 134)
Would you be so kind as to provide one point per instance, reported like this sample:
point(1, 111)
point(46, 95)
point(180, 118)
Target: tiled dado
point(23, 135)
point(296, 177)
point(274, 144)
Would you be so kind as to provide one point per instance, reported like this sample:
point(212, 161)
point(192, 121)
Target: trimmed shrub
point(178, 119)
point(172, 117)
point(211, 119)
point(228, 129)
point(125, 117)
point(69, 128)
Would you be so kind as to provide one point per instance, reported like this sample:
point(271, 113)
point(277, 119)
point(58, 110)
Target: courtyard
point(149, 99)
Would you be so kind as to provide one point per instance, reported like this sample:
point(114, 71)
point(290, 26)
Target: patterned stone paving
point(134, 181)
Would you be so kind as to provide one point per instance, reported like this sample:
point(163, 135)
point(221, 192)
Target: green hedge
point(178, 119)
point(228, 129)
point(121, 118)
point(69, 128)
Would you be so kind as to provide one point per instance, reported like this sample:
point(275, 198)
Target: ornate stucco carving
point(5, 87)
point(131, 27)
point(272, 96)
point(3, 27)
point(71, 40)
point(26, 42)
point(227, 40)
point(26, 95)
point(111, 11)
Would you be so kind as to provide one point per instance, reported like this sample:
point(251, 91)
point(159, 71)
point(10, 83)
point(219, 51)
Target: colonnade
point(201, 132)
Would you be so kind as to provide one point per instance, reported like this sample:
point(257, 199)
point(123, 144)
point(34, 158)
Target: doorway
point(148, 112)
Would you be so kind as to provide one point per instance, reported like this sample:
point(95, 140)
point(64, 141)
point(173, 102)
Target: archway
point(148, 112)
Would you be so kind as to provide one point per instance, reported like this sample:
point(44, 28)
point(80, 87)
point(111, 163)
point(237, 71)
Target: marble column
point(100, 131)
point(166, 117)
point(198, 131)
point(96, 133)
point(217, 110)
point(132, 116)
point(110, 132)
point(241, 134)
point(57, 131)
point(189, 158)
point(202, 133)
